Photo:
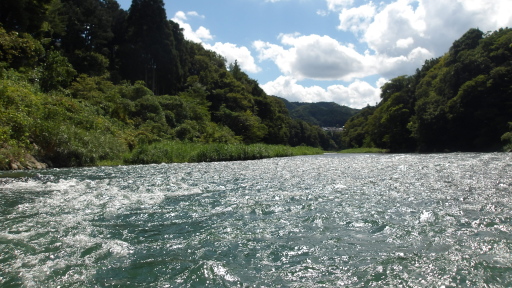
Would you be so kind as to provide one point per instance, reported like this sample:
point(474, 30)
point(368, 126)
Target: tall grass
point(179, 152)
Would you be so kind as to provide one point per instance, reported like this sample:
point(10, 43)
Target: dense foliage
point(83, 81)
point(323, 114)
point(461, 101)
point(179, 152)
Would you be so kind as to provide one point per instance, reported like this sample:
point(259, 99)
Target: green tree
point(151, 54)
point(19, 50)
point(86, 40)
point(235, 70)
point(354, 134)
point(57, 72)
point(460, 101)
point(88, 25)
point(24, 15)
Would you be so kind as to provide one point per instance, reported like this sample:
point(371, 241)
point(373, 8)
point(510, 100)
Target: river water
point(346, 220)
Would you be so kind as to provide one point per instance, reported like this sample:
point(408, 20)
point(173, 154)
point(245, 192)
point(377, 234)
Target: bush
point(19, 106)
point(70, 146)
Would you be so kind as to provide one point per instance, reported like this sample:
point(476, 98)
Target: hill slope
point(461, 101)
point(323, 114)
point(85, 81)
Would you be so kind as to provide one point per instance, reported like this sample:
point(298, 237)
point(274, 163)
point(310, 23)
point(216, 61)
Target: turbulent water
point(314, 221)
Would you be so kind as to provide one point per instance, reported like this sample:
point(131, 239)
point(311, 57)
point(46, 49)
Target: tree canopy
point(461, 101)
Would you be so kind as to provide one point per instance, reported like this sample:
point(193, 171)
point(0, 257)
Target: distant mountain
point(323, 114)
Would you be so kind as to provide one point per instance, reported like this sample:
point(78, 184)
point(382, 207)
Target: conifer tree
point(151, 52)
point(23, 15)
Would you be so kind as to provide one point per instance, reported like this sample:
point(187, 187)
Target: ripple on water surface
point(328, 220)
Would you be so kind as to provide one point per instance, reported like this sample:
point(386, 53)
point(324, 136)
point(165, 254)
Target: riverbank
point(14, 158)
point(179, 152)
point(168, 152)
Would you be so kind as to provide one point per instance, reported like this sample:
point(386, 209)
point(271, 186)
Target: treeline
point(323, 114)
point(461, 101)
point(83, 81)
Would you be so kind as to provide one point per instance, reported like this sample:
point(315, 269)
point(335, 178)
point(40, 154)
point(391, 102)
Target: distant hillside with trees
point(323, 114)
point(461, 101)
point(86, 81)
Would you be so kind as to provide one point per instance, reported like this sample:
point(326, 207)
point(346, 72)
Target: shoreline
point(169, 152)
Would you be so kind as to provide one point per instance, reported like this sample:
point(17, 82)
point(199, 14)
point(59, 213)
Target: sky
point(339, 51)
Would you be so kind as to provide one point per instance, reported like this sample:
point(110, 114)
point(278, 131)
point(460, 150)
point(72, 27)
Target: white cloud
point(324, 58)
point(313, 57)
point(358, 18)
point(334, 5)
point(180, 16)
point(401, 26)
point(356, 95)
point(232, 52)
point(200, 35)
point(203, 34)
point(396, 21)
point(322, 13)
point(281, 57)
point(403, 33)
point(496, 13)
point(404, 43)
point(195, 14)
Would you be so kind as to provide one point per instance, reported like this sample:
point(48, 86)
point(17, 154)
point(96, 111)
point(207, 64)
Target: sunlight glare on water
point(355, 220)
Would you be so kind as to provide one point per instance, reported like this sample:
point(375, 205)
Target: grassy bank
point(364, 150)
point(179, 152)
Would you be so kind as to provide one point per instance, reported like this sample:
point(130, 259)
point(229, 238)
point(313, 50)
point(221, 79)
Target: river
point(333, 220)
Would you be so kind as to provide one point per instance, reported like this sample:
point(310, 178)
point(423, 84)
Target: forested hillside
point(83, 81)
point(323, 114)
point(461, 101)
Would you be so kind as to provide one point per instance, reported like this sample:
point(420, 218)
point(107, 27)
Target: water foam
point(329, 220)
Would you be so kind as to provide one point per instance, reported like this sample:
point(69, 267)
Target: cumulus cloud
point(496, 13)
point(400, 65)
point(180, 16)
point(313, 57)
point(404, 43)
point(400, 36)
point(232, 52)
point(199, 35)
point(357, 19)
point(356, 95)
point(404, 25)
point(324, 58)
point(396, 21)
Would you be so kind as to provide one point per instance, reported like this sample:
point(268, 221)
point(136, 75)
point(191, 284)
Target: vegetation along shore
point(84, 83)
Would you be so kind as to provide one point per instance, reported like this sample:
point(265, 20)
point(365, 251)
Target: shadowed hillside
point(323, 114)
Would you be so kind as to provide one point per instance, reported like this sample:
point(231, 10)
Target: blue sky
point(332, 50)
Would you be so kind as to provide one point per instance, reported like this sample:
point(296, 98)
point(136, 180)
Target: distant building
point(332, 129)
